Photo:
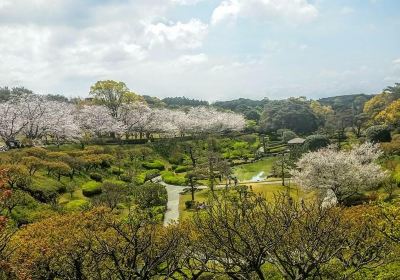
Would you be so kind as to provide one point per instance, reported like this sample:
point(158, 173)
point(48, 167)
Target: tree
point(238, 234)
point(149, 195)
point(138, 248)
point(378, 133)
point(112, 194)
point(391, 114)
point(345, 173)
point(112, 94)
point(294, 114)
point(288, 135)
point(316, 142)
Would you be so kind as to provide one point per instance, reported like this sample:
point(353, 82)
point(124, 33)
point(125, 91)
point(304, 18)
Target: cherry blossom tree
point(97, 120)
point(11, 122)
point(345, 173)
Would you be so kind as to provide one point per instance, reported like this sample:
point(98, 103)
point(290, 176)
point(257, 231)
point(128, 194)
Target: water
point(259, 177)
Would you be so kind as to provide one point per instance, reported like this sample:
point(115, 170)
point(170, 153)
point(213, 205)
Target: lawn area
point(265, 189)
point(247, 171)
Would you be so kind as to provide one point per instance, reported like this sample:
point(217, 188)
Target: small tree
point(346, 173)
point(316, 142)
point(378, 133)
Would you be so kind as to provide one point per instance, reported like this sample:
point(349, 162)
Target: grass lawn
point(247, 171)
point(266, 190)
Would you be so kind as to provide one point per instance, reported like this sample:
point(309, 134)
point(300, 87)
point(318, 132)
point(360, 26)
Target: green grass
point(78, 204)
point(246, 171)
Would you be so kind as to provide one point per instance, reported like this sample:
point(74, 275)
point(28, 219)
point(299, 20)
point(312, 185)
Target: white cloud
point(186, 2)
point(396, 61)
point(193, 59)
point(180, 35)
point(295, 11)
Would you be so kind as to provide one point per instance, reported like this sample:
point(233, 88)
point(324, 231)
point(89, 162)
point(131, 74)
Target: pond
point(256, 171)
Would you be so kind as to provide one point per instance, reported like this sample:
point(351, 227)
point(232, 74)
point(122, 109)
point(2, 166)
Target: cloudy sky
point(207, 49)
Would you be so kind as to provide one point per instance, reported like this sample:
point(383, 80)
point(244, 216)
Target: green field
point(247, 171)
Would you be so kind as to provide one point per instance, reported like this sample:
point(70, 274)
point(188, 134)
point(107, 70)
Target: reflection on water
point(259, 177)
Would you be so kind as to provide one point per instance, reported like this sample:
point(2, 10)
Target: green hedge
point(91, 188)
point(156, 164)
point(173, 179)
point(181, 169)
point(78, 204)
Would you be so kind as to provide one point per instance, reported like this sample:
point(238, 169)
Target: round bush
point(378, 133)
point(288, 135)
point(78, 204)
point(156, 164)
point(181, 169)
point(91, 188)
point(116, 171)
point(173, 179)
point(96, 177)
point(316, 142)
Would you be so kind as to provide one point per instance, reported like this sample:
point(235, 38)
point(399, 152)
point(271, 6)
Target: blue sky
point(207, 49)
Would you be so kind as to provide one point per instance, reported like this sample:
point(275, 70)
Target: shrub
point(151, 174)
point(116, 171)
point(156, 164)
point(181, 169)
point(173, 179)
point(288, 135)
point(316, 142)
point(126, 177)
point(96, 176)
point(91, 188)
point(150, 195)
point(189, 204)
point(79, 204)
point(378, 133)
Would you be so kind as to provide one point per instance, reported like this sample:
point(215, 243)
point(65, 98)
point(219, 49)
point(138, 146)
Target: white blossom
point(344, 172)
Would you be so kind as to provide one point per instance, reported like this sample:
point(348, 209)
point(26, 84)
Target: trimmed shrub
point(151, 174)
point(288, 135)
point(126, 178)
point(78, 204)
point(181, 169)
point(189, 204)
point(116, 171)
point(156, 164)
point(96, 177)
point(378, 133)
point(316, 142)
point(91, 188)
point(173, 179)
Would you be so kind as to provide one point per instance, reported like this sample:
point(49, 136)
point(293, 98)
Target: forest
point(123, 186)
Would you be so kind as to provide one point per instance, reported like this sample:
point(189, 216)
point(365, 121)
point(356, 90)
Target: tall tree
point(112, 94)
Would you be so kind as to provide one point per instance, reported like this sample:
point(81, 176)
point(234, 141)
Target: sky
point(204, 49)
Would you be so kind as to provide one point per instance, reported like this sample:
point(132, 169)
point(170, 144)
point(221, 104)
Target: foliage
point(173, 179)
point(378, 133)
point(96, 177)
point(156, 164)
point(288, 135)
point(150, 194)
point(91, 188)
point(316, 142)
point(294, 114)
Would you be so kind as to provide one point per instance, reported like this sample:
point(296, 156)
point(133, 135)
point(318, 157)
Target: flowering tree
point(97, 121)
point(345, 173)
point(11, 123)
